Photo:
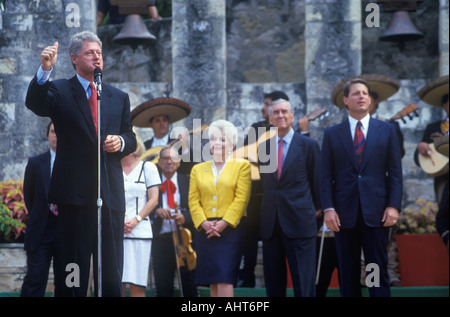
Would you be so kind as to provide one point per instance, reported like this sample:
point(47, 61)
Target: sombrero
point(433, 92)
point(174, 109)
point(383, 85)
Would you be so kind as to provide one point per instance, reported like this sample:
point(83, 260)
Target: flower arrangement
point(418, 220)
point(13, 212)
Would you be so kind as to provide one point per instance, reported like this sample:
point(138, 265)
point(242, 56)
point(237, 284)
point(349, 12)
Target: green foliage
point(13, 212)
point(164, 8)
point(421, 219)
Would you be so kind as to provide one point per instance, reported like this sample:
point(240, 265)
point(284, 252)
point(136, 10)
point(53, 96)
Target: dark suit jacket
point(293, 198)
point(36, 184)
point(74, 178)
point(376, 185)
point(183, 184)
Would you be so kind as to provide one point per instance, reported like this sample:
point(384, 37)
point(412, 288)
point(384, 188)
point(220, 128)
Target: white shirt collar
point(84, 82)
point(364, 123)
point(160, 142)
point(288, 137)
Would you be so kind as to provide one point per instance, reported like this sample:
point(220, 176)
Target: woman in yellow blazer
point(218, 196)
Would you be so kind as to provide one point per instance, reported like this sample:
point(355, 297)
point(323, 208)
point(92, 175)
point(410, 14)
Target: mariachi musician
point(158, 114)
point(174, 191)
point(435, 94)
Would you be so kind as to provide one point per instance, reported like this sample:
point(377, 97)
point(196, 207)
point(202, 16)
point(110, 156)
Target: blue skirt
point(218, 259)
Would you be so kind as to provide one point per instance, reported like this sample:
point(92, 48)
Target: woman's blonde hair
point(140, 147)
point(227, 128)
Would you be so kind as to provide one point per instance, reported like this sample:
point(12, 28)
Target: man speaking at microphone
point(72, 106)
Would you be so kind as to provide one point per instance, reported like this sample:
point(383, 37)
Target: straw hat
point(174, 109)
point(433, 92)
point(383, 85)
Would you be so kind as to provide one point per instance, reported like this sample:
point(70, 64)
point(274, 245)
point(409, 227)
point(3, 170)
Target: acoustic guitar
point(434, 165)
point(250, 151)
point(407, 111)
point(152, 154)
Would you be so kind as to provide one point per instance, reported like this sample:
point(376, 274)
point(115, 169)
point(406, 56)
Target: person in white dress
point(141, 183)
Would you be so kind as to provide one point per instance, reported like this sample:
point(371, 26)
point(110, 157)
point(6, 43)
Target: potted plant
point(423, 258)
point(13, 212)
point(13, 219)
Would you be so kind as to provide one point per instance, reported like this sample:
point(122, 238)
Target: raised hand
point(49, 56)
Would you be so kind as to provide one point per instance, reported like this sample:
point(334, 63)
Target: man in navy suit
point(164, 222)
point(361, 194)
point(74, 183)
point(289, 205)
point(42, 234)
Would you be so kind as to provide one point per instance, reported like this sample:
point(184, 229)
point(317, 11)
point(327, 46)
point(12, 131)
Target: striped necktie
point(280, 157)
point(93, 105)
point(358, 142)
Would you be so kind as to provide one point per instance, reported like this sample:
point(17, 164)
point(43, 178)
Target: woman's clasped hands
point(213, 228)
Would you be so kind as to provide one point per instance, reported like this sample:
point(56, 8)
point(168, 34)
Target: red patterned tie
point(358, 142)
point(169, 187)
point(280, 157)
point(93, 105)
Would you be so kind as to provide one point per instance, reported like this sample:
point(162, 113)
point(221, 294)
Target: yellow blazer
point(227, 200)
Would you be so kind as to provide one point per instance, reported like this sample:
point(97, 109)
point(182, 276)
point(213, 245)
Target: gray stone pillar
point(198, 52)
point(26, 27)
point(333, 49)
point(443, 38)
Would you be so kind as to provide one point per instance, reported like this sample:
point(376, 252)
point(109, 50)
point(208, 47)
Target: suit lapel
point(272, 157)
point(79, 95)
point(346, 139)
point(294, 148)
point(182, 186)
point(371, 140)
point(106, 100)
point(45, 170)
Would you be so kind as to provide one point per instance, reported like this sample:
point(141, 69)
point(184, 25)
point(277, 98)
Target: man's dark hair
point(353, 81)
point(275, 95)
point(164, 115)
point(48, 128)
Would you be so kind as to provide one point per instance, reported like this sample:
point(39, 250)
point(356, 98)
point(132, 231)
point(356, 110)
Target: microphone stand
point(98, 87)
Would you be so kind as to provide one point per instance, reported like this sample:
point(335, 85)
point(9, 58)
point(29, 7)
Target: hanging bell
point(401, 28)
point(134, 32)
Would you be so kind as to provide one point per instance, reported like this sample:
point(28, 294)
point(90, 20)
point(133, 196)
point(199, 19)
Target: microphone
point(98, 79)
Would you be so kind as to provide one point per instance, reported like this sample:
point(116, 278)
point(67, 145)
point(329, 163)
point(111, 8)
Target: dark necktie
point(280, 157)
point(93, 105)
point(53, 207)
point(358, 142)
point(169, 187)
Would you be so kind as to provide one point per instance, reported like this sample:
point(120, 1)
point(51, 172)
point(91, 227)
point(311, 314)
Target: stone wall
point(261, 45)
point(221, 56)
